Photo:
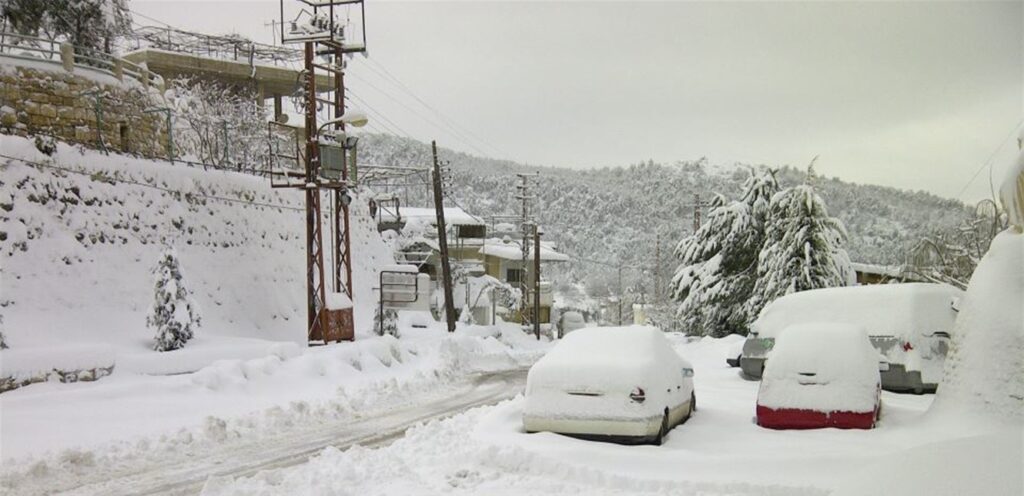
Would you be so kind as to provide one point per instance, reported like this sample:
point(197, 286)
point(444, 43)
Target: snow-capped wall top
point(882, 310)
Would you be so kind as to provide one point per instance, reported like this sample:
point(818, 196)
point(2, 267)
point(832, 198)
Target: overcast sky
point(915, 95)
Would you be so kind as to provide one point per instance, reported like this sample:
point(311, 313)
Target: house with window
point(480, 263)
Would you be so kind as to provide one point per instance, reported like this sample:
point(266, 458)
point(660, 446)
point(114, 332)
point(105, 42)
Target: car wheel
point(693, 402)
point(663, 431)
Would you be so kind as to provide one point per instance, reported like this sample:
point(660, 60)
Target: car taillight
point(907, 346)
point(638, 395)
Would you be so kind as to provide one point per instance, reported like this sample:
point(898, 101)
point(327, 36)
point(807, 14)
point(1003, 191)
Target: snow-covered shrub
point(390, 322)
point(174, 314)
point(803, 248)
point(219, 124)
point(46, 145)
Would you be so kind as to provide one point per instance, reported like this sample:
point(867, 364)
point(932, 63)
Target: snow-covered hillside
point(616, 213)
point(82, 232)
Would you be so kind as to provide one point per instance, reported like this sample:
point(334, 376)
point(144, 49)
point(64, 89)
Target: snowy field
point(719, 451)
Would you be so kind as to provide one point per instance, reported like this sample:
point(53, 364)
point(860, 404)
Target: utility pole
point(525, 222)
point(620, 293)
point(536, 281)
point(697, 206)
point(657, 267)
point(324, 324)
point(442, 241)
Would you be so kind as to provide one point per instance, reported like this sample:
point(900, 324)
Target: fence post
point(67, 56)
point(145, 77)
point(119, 69)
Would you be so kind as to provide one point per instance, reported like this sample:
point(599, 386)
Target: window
point(476, 232)
point(514, 275)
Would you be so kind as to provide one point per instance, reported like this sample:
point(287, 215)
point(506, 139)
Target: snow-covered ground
point(719, 451)
point(54, 434)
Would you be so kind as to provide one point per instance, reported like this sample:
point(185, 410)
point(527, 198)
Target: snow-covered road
point(187, 473)
point(721, 451)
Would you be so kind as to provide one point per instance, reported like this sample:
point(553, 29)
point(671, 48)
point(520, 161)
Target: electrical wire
point(406, 89)
point(988, 162)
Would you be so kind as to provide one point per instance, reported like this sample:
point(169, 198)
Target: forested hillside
point(615, 213)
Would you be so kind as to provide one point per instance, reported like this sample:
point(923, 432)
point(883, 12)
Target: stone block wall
point(35, 99)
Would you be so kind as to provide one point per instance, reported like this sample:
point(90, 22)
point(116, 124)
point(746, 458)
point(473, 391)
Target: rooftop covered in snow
point(512, 250)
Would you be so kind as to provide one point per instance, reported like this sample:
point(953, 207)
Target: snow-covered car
point(734, 355)
point(910, 324)
point(821, 375)
point(570, 321)
point(622, 384)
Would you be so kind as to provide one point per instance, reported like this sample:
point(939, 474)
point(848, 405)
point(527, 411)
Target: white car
point(623, 384)
point(570, 321)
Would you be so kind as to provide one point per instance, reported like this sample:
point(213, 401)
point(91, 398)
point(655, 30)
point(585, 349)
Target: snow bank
point(290, 387)
point(26, 363)
point(987, 465)
point(903, 310)
point(821, 367)
point(985, 368)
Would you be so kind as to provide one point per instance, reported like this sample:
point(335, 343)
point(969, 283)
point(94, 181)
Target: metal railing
point(31, 48)
point(230, 47)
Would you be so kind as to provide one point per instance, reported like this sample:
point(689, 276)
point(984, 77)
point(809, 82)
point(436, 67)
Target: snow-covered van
point(820, 375)
point(910, 324)
point(623, 384)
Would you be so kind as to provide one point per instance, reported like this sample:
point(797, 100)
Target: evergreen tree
point(175, 314)
point(803, 248)
point(86, 23)
point(718, 263)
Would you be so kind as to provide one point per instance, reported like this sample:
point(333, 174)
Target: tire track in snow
point(240, 460)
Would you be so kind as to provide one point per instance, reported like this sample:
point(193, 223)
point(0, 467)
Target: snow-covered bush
point(803, 248)
point(174, 314)
point(219, 124)
point(390, 324)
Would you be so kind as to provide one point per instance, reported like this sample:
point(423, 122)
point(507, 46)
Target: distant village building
point(473, 253)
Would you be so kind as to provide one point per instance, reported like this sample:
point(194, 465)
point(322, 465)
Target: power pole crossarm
point(442, 241)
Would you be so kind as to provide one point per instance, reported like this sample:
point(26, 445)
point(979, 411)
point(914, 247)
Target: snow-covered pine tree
point(174, 314)
point(719, 262)
point(803, 248)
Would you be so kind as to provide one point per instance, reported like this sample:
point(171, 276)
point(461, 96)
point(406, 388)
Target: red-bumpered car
point(821, 375)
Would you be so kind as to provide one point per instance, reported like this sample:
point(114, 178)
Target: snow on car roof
point(608, 354)
point(882, 310)
point(821, 366)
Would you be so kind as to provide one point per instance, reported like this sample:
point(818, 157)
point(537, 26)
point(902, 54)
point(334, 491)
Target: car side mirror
point(687, 372)
point(883, 366)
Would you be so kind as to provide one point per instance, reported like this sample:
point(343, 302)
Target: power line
point(442, 120)
point(442, 116)
point(417, 114)
point(379, 114)
point(988, 162)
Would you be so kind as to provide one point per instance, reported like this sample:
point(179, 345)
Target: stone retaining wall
point(35, 99)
